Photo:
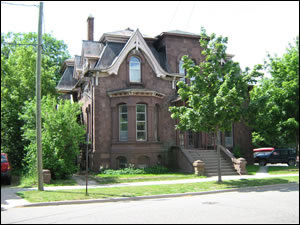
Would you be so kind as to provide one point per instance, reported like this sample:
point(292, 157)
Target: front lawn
point(129, 178)
point(134, 191)
point(32, 181)
point(283, 170)
point(252, 169)
point(129, 175)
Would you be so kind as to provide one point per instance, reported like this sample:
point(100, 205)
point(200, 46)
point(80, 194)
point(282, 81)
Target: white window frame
point(139, 121)
point(120, 123)
point(131, 69)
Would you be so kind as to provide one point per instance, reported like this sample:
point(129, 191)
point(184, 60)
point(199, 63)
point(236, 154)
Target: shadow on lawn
point(91, 195)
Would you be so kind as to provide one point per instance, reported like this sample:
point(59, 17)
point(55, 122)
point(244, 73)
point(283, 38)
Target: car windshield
point(3, 159)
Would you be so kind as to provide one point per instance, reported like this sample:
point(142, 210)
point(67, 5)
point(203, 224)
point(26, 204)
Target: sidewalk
point(9, 198)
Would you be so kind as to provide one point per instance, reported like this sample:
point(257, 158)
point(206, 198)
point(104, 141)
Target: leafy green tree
point(18, 74)
point(218, 93)
point(275, 102)
point(61, 135)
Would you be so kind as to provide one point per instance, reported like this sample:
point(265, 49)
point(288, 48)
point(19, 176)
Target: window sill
point(135, 142)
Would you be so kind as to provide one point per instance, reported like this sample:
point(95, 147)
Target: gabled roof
point(136, 41)
point(120, 35)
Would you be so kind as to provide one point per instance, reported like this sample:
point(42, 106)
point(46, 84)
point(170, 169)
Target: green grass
point(129, 178)
point(32, 181)
point(134, 191)
point(283, 170)
point(252, 169)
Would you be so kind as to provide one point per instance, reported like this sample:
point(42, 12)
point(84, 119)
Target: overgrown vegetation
point(274, 105)
point(61, 134)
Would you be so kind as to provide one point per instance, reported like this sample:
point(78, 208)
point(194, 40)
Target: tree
point(18, 69)
point(275, 102)
point(218, 93)
point(61, 135)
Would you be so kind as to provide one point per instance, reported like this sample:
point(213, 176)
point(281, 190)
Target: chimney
point(90, 28)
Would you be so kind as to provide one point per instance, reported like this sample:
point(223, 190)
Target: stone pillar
point(199, 167)
point(241, 166)
point(47, 176)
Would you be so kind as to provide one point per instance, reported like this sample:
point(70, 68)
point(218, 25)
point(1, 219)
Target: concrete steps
point(210, 158)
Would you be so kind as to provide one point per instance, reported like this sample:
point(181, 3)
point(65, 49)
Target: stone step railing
point(239, 164)
point(208, 163)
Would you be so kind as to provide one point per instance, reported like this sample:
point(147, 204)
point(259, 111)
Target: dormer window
point(135, 70)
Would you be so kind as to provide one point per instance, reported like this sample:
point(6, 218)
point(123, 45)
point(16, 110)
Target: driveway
point(9, 198)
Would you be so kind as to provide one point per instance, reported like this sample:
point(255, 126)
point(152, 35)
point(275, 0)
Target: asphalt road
point(260, 205)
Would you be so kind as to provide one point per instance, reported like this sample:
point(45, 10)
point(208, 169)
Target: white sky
point(253, 28)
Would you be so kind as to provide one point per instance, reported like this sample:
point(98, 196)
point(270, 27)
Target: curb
point(72, 202)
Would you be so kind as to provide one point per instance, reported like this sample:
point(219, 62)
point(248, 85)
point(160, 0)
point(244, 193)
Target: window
point(141, 125)
point(181, 70)
point(123, 122)
point(121, 162)
point(193, 78)
point(228, 138)
point(156, 121)
point(191, 138)
point(181, 138)
point(134, 70)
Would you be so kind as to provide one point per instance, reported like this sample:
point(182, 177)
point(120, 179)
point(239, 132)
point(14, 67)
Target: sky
point(253, 28)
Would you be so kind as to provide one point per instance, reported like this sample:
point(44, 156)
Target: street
point(260, 205)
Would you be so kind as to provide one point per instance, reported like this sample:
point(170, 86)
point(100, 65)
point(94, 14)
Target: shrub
point(61, 136)
point(237, 152)
point(132, 170)
point(156, 170)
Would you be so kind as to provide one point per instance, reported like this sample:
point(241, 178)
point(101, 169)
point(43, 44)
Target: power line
point(175, 12)
point(9, 3)
point(188, 22)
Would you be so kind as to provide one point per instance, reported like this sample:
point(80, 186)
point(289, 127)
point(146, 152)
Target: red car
point(5, 169)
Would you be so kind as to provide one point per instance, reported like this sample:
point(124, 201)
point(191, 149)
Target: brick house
point(126, 82)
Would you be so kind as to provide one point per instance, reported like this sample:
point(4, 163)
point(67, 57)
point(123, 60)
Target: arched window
point(135, 70)
point(181, 70)
point(121, 162)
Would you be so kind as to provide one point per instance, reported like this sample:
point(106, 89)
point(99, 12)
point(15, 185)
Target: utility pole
point(87, 164)
point(38, 102)
point(219, 157)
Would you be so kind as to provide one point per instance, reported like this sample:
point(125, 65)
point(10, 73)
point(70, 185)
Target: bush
point(156, 170)
point(237, 152)
point(131, 171)
point(61, 136)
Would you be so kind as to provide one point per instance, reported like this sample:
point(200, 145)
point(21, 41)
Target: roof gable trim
point(137, 41)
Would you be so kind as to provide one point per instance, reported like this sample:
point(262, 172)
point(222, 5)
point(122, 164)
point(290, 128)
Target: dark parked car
point(5, 168)
point(285, 155)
